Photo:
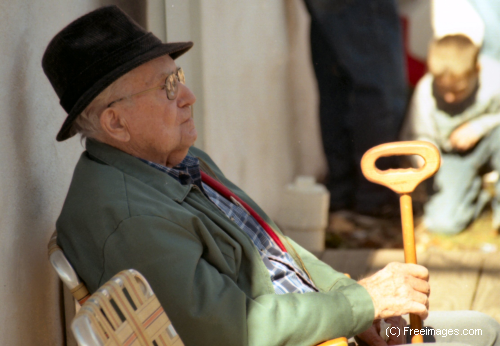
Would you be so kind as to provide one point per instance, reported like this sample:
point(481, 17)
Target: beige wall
point(303, 94)
point(256, 108)
point(255, 111)
point(35, 170)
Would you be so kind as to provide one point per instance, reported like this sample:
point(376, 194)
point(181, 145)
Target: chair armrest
point(65, 271)
point(335, 342)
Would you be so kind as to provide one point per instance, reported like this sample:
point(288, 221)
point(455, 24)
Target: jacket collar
point(134, 167)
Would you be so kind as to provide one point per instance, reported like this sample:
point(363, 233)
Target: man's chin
point(191, 137)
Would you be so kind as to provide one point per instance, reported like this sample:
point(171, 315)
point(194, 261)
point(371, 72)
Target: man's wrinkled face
point(161, 129)
point(455, 89)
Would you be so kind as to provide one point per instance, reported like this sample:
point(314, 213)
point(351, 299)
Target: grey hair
point(88, 124)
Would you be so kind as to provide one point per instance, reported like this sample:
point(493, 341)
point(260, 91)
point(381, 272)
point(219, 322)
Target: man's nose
point(449, 97)
point(185, 96)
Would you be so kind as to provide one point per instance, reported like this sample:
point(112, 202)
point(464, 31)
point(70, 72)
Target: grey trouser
point(458, 199)
point(484, 329)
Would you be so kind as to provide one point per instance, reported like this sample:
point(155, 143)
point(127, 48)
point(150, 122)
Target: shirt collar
point(187, 172)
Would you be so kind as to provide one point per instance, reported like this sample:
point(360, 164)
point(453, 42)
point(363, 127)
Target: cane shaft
point(410, 252)
point(407, 225)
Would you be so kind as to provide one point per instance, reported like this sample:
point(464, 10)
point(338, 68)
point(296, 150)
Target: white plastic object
point(84, 333)
point(64, 269)
point(303, 215)
point(451, 17)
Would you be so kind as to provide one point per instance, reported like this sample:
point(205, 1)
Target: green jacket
point(121, 213)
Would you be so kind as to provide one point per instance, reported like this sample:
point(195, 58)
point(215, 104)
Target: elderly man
point(143, 197)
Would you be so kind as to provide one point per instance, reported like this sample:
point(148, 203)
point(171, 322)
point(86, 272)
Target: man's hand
point(465, 137)
point(399, 289)
point(371, 336)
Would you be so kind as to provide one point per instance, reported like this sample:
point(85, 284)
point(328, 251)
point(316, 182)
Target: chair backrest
point(66, 272)
point(124, 311)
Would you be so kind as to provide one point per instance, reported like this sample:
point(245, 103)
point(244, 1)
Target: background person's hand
point(465, 137)
point(398, 289)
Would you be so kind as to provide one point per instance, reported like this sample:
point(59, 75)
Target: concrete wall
point(35, 170)
point(256, 114)
point(34, 173)
point(256, 107)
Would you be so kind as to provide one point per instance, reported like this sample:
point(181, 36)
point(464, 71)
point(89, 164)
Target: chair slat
point(107, 311)
point(146, 325)
point(130, 315)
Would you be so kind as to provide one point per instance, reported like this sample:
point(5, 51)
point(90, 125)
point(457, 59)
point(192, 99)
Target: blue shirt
point(285, 275)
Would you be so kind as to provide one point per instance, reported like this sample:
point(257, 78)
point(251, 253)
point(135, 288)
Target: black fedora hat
point(95, 50)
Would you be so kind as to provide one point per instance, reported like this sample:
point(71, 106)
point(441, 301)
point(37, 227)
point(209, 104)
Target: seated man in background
point(143, 197)
point(456, 106)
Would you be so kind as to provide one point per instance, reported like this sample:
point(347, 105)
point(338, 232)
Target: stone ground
point(348, 230)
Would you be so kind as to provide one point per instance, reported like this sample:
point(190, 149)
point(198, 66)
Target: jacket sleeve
point(208, 308)
point(490, 120)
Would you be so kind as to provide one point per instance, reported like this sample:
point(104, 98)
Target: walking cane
point(403, 182)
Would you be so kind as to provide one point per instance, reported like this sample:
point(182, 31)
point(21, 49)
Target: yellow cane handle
point(401, 180)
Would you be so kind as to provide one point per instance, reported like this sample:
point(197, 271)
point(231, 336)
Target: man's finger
point(395, 340)
point(419, 309)
point(395, 333)
point(419, 297)
point(372, 338)
point(419, 285)
point(417, 271)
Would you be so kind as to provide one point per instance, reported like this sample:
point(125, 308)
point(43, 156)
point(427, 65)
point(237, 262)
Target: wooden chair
point(124, 311)
point(335, 342)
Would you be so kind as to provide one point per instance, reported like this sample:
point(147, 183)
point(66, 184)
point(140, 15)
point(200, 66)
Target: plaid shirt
point(285, 275)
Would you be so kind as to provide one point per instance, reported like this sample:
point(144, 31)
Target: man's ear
point(114, 125)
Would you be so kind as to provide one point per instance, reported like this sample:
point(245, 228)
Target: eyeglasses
point(171, 86)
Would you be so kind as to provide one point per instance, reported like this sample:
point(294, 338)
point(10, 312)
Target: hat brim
point(173, 49)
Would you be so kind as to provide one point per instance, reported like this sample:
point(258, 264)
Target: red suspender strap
point(226, 193)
